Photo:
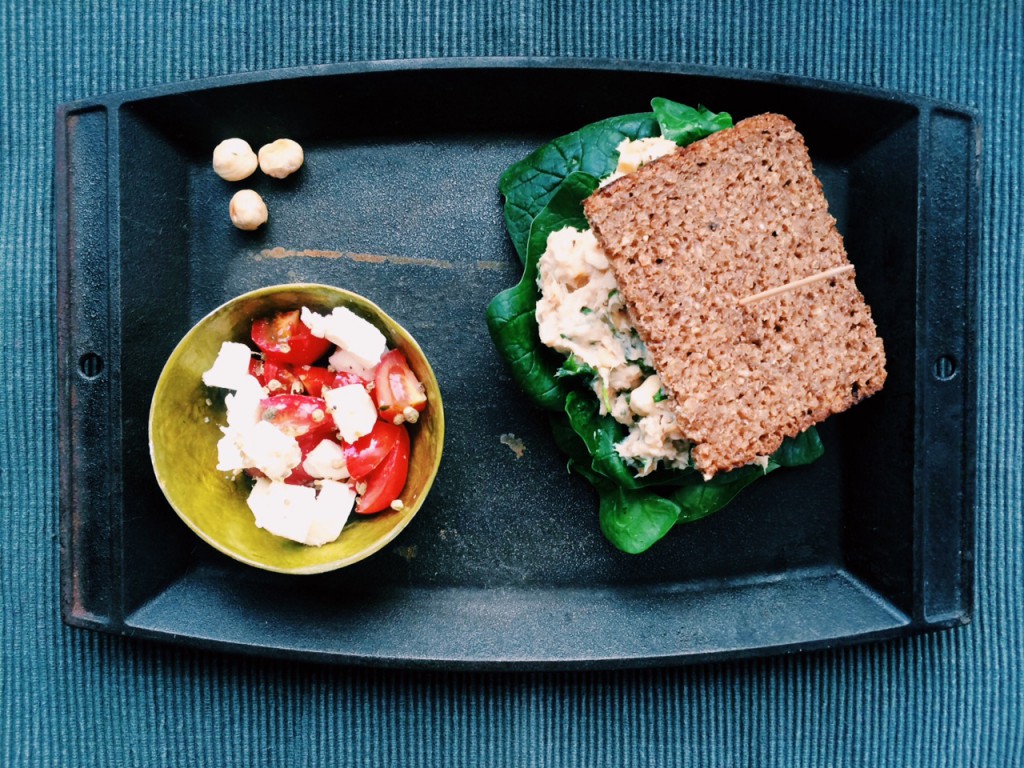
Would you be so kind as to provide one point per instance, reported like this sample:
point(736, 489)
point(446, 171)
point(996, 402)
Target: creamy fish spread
point(581, 313)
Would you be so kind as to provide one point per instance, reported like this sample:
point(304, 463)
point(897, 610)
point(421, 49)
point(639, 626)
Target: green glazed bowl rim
point(436, 404)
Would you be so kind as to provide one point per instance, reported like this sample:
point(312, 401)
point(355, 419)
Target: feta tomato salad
point(317, 417)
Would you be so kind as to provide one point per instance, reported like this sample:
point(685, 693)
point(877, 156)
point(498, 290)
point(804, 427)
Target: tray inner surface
point(505, 563)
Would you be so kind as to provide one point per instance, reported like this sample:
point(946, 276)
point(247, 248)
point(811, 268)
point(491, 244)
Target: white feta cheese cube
point(326, 460)
point(283, 510)
point(269, 450)
point(316, 322)
point(243, 406)
point(230, 368)
point(349, 331)
point(342, 360)
point(229, 458)
point(299, 513)
point(353, 411)
point(334, 504)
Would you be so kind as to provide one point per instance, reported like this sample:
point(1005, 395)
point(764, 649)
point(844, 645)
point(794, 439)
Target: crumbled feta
point(353, 411)
point(359, 337)
point(270, 450)
point(261, 446)
point(334, 504)
point(229, 457)
point(230, 368)
point(282, 509)
point(398, 505)
point(243, 407)
point(298, 513)
point(344, 361)
point(243, 414)
point(327, 460)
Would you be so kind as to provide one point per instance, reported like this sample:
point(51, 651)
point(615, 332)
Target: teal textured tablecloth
point(72, 697)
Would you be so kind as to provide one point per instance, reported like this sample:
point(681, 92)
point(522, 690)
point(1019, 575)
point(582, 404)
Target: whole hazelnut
point(247, 210)
point(280, 158)
point(234, 160)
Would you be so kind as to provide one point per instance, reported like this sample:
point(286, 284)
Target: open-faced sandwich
point(687, 311)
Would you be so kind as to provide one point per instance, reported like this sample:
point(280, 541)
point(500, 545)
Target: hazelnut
point(247, 209)
point(280, 158)
point(234, 160)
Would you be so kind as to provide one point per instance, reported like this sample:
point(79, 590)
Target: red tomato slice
point(297, 415)
point(314, 378)
point(365, 454)
point(386, 482)
point(396, 386)
point(284, 338)
point(279, 378)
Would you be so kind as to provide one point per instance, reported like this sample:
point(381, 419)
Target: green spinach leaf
point(703, 498)
point(803, 449)
point(600, 434)
point(570, 444)
point(631, 519)
point(511, 315)
point(684, 125)
point(634, 520)
point(543, 193)
point(529, 184)
point(572, 367)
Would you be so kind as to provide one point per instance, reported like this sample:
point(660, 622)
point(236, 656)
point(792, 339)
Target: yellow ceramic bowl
point(183, 435)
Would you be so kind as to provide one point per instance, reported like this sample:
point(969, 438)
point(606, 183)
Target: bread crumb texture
point(727, 217)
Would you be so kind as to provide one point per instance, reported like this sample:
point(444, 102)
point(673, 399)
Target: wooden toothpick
point(797, 284)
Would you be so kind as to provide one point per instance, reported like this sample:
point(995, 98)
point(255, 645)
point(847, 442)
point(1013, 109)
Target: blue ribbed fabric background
point(70, 697)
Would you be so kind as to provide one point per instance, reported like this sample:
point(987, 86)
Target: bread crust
point(690, 235)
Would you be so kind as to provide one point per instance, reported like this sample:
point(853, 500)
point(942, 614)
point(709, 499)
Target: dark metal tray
point(504, 567)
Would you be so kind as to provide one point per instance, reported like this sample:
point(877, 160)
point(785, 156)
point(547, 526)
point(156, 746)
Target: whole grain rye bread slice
point(692, 234)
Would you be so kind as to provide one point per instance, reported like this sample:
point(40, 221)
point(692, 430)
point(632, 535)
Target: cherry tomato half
point(314, 378)
point(297, 415)
point(386, 482)
point(396, 386)
point(278, 378)
point(365, 454)
point(284, 338)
